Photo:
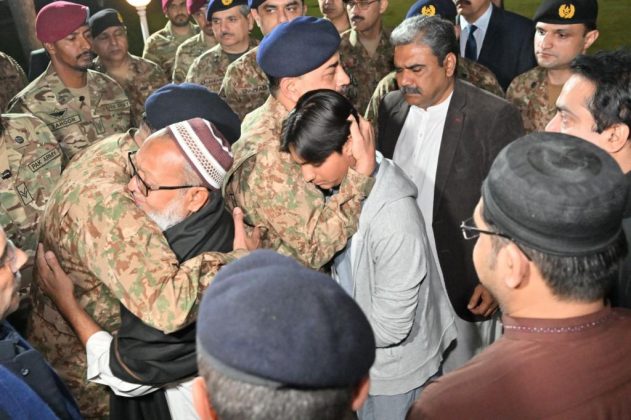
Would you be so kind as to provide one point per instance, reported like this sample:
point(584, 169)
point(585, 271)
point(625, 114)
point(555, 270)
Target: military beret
point(557, 194)
point(175, 103)
point(205, 148)
point(567, 11)
point(104, 19)
point(255, 3)
point(443, 8)
point(267, 320)
point(59, 19)
point(192, 6)
point(297, 47)
point(219, 5)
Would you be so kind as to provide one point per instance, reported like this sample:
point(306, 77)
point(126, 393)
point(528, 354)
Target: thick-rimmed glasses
point(361, 4)
point(145, 188)
point(471, 231)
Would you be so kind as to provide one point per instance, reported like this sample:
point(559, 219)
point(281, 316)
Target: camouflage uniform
point(161, 47)
point(365, 71)
point(143, 77)
point(12, 79)
point(188, 52)
point(30, 162)
point(74, 124)
point(113, 253)
point(245, 86)
point(468, 70)
point(269, 187)
point(209, 69)
point(529, 93)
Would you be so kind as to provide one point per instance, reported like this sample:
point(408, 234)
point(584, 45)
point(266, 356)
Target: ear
point(197, 198)
point(304, 8)
point(383, 5)
point(347, 148)
point(255, 15)
point(50, 48)
point(617, 136)
point(516, 266)
point(289, 89)
point(201, 401)
point(590, 38)
point(250, 22)
point(449, 63)
point(361, 393)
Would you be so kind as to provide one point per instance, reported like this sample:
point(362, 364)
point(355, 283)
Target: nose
point(84, 43)
point(403, 78)
point(341, 77)
point(132, 185)
point(224, 26)
point(307, 173)
point(282, 16)
point(554, 125)
point(546, 40)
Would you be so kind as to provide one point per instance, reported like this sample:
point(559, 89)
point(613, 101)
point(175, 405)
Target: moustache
point(411, 90)
point(225, 34)
point(357, 18)
point(87, 55)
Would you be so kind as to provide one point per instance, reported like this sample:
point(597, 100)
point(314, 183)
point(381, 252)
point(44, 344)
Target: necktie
point(471, 49)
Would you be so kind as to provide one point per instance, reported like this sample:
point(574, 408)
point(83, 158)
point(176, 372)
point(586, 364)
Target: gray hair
point(431, 31)
point(244, 9)
point(235, 400)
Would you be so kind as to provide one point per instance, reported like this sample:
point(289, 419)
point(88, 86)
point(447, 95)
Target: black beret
point(557, 194)
point(443, 8)
point(104, 19)
point(297, 47)
point(176, 103)
point(255, 3)
point(219, 5)
point(267, 320)
point(567, 11)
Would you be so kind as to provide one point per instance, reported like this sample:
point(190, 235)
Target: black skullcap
point(567, 11)
point(175, 103)
point(446, 9)
point(219, 5)
point(104, 19)
point(297, 47)
point(267, 320)
point(557, 194)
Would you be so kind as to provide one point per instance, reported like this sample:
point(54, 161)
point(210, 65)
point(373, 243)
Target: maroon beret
point(59, 19)
point(192, 6)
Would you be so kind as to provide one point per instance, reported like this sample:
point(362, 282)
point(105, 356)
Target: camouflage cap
point(443, 8)
point(267, 320)
point(297, 47)
point(59, 19)
point(219, 5)
point(104, 19)
point(567, 11)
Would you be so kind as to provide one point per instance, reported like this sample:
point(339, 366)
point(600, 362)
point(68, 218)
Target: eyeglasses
point(361, 4)
point(145, 188)
point(471, 231)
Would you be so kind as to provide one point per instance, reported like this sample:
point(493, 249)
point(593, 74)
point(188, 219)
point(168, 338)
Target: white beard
point(171, 215)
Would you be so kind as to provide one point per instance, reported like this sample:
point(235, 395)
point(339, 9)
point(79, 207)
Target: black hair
point(610, 72)
point(433, 31)
point(318, 126)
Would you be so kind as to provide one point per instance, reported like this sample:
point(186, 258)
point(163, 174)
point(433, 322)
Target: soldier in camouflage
point(80, 106)
point(295, 216)
point(110, 242)
point(335, 11)
point(468, 70)
point(365, 50)
point(162, 46)
point(30, 165)
point(559, 38)
point(231, 23)
point(138, 77)
point(12, 79)
point(245, 86)
point(194, 47)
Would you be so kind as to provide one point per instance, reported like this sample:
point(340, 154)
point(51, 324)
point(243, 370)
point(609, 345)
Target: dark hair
point(432, 31)
point(318, 126)
point(273, 83)
point(233, 399)
point(610, 71)
point(583, 278)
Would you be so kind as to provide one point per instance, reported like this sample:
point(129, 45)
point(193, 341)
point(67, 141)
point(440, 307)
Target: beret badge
point(226, 2)
point(566, 11)
point(429, 10)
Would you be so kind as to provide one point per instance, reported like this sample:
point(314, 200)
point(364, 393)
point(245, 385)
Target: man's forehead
point(80, 30)
point(279, 3)
point(577, 92)
point(413, 53)
point(568, 27)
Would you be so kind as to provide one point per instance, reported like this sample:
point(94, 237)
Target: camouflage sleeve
point(18, 106)
point(386, 85)
point(130, 255)
point(179, 73)
point(192, 76)
point(150, 53)
point(308, 228)
point(517, 95)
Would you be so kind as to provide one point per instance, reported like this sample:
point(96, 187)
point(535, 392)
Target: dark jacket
point(477, 127)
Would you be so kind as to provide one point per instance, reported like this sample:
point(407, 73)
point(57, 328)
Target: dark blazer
point(477, 127)
point(508, 48)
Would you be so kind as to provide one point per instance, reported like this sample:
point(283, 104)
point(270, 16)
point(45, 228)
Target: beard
point(170, 216)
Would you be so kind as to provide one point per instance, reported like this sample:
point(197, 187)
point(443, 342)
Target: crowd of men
point(136, 191)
